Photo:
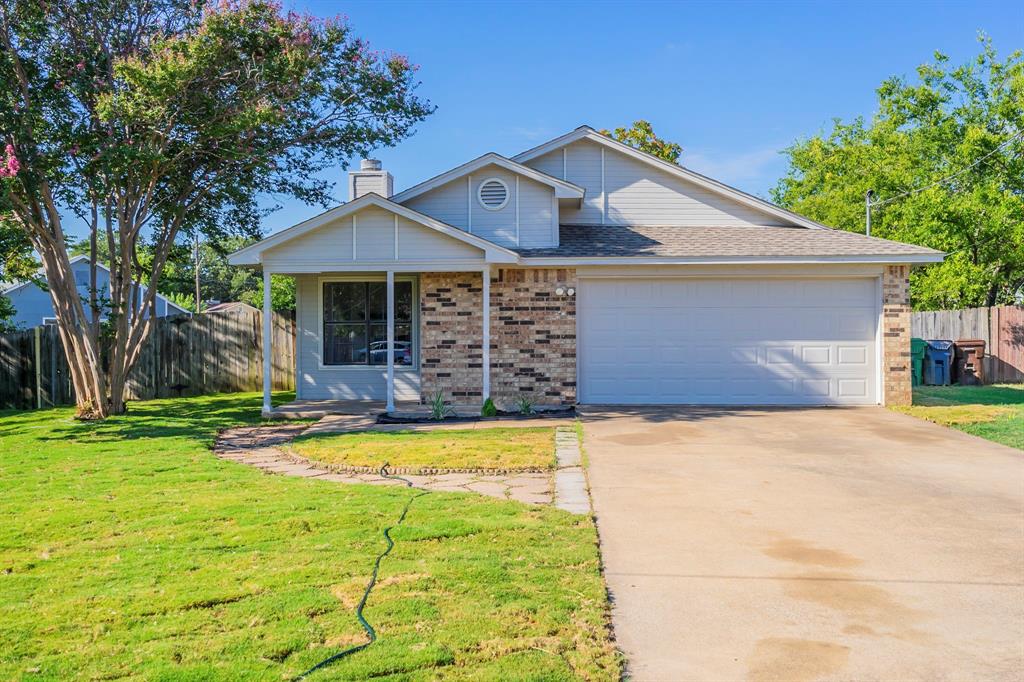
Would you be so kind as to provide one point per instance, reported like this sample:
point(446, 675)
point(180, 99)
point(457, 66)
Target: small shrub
point(488, 410)
point(525, 405)
point(439, 409)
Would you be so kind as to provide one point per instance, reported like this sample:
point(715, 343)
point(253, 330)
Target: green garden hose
point(370, 632)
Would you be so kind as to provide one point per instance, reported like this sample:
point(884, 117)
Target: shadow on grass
point(197, 418)
point(935, 396)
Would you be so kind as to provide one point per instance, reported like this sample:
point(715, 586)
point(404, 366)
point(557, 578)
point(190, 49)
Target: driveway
point(808, 544)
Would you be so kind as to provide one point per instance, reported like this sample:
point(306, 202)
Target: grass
point(498, 448)
point(993, 412)
point(127, 550)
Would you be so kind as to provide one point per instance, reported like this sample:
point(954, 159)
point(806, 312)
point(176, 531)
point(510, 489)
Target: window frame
point(368, 277)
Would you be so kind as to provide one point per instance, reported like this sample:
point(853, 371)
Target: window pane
point(379, 344)
point(344, 344)
point(344, 301)
point(378, 300)
point(403, 302)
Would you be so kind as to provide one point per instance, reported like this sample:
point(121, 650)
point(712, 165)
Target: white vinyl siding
point(374, 241)
point(748, 341)
point(317, 382)
point(456, 204)
point(639, 193)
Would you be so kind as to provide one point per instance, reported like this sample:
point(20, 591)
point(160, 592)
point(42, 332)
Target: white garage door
point(727, 341)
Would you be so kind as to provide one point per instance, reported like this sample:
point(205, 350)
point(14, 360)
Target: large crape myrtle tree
point(141, 120)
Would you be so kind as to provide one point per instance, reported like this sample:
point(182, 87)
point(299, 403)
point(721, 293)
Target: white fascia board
point(588, 133)
point(563, 189)
point(252, 254)
point(913, 259)
point(295, 268)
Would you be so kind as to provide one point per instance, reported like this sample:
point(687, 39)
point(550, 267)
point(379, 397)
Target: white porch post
point(391, 341)
point(267, 336)
point(487, 332)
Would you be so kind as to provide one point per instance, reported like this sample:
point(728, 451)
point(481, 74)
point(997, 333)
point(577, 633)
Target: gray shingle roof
point(618, 241)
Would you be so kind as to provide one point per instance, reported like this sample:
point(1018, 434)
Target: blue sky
point(734, 83)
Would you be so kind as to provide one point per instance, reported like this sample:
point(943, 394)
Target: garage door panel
point(741, 341)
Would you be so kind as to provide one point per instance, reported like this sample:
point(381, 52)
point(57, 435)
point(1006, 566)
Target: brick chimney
point(370, 178)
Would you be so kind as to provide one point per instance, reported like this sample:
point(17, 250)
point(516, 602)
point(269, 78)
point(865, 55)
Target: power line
point(948, 177)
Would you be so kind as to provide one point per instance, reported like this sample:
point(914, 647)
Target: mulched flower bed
point(568, 413)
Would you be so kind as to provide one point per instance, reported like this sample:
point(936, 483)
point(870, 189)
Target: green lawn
point(127, 550)
point(498, 448)
point(992, 412)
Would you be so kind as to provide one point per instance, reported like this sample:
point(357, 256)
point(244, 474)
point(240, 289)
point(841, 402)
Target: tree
point(641, 135)
point(16, 264)
point(147, 120)
point(943, 156)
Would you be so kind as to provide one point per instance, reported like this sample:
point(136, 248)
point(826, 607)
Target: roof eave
point(880, 259)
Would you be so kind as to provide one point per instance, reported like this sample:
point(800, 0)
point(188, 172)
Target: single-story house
point(33, 306)
point(585, 271)
point(230, 307)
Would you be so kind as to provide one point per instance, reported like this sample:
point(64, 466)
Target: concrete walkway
point(808, 544)
point(259, 446)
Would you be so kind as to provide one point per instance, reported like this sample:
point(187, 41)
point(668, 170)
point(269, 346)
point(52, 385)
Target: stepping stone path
point(258, 446)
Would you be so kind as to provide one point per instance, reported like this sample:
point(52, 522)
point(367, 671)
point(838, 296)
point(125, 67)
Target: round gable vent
point(493, 194)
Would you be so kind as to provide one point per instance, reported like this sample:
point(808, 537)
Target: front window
point(356, 323)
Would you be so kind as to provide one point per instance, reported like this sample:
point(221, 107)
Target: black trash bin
point(938, 363)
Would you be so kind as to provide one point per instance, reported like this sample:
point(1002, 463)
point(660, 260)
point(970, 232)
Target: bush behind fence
point(183, 356)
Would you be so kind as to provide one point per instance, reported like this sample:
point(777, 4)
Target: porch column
point(391, 341)
point(267, 336)
point(487, 332)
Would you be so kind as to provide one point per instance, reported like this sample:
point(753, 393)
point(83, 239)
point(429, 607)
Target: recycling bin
point(917, 348)
point(968, 356)
point(938, 363)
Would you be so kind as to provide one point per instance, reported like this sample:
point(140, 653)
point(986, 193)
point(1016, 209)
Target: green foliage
point(942, 125)
point(488, 409)
point(439, 409)
point(525, 405)
point(186, 301)
point(127, 549)
point(282, 294)
point(641, 135)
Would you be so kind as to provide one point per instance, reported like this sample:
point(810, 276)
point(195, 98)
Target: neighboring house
point(33, 306)
point(583, 270)
point(230, 307)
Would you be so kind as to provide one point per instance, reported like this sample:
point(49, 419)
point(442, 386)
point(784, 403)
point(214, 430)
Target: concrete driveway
point(808, 544)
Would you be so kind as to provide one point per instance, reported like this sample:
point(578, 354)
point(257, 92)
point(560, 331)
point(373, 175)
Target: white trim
point(469, 203)
point(517, 210)
point(907, 259)
point(380, 276)
point(480, 189)
point(565, 164)
point(396, 236)
point(586, 132)
point(354, 237)
point(252, 254)
point(563, 189)
point(268, 336)
point(486, 343)
point(879, 340)
point(317, 267)
point(604, 195)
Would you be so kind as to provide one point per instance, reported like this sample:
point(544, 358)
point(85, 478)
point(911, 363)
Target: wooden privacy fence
point(183, 356)
point(1001, 327)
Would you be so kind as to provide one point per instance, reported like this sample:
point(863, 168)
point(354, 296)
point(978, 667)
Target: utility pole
point(197, 261)
point(867, 211)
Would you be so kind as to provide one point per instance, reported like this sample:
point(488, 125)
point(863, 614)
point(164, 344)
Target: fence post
point(39, 376)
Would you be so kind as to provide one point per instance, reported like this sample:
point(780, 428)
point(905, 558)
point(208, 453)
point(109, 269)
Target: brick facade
point(533, 336)
point(896, 377)
point(451, 334)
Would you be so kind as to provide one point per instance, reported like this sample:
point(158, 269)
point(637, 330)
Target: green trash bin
point(917, 348)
